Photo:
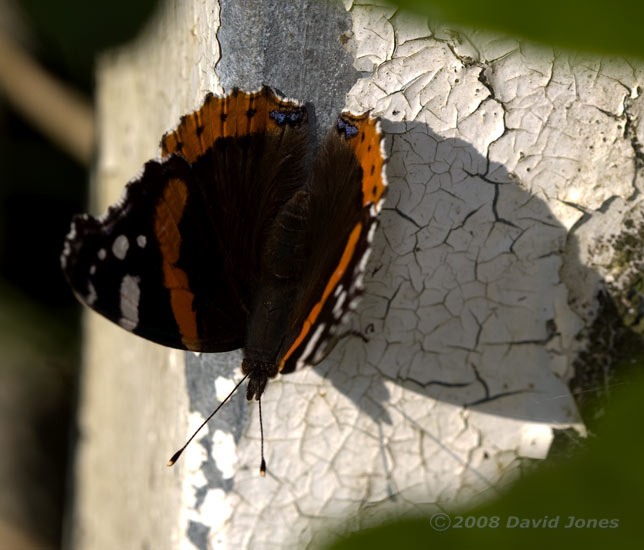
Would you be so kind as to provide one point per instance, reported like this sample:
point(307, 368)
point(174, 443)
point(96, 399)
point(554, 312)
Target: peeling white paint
point(225, 453)
point(223, 387)
point(472, 248)
point(193, 479)
point(217, 511)
point(374, 38)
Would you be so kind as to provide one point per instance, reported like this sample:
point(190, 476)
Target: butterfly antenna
point(176, 455)
point(262, 466)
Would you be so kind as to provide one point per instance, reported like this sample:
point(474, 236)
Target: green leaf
point(603, 27)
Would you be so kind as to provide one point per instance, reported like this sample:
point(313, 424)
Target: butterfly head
point(258, 374)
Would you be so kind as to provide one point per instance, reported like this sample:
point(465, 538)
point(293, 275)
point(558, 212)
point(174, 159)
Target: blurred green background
point(596, 26)
point(41, 187)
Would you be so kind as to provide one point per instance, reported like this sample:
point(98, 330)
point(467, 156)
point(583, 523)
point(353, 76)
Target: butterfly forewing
point(178, 259)
point(234, 115)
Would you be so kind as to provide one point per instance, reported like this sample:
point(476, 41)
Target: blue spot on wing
point(349, 130)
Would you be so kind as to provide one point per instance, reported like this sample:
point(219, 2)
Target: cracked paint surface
point(501, 154)
point(470, 339)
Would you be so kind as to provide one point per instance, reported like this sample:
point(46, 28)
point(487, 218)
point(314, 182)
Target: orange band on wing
point(349, 250)
point(168, 213)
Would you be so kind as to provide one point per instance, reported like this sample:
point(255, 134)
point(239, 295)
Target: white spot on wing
point(141, 241)
point(378, 206)
point(102, 254)
point(363, 261)
point(91, 294)
point(372, 231)
point(92, 269)
point(130, 295)
point(120, 246)
point(310, 346)
point(337, 308)
point(357, 283)
point(72, 232)
point(63, 257)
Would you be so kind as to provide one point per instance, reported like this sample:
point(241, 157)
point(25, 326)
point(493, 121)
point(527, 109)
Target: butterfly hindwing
point(345, 194)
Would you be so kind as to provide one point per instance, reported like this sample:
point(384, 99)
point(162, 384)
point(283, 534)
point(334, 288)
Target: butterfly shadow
point(463, 300)
point(463, 307)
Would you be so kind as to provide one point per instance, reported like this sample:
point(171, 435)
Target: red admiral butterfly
point(233, 239)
